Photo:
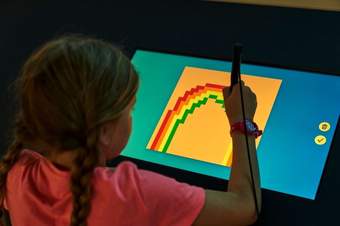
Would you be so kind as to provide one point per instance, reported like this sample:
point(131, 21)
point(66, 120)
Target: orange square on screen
point(194, 123)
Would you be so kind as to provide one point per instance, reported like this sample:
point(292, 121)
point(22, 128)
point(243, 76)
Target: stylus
point(236, 65)
point(235, 78)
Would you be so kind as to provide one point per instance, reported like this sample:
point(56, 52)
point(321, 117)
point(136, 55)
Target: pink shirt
point(38, 194)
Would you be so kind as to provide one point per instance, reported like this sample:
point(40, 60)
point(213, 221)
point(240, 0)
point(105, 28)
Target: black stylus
point(235, 78)
point(236, 65)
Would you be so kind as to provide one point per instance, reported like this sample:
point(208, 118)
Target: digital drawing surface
point(194, 123)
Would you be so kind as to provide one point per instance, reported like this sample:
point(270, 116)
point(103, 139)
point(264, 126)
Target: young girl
point(75, 98)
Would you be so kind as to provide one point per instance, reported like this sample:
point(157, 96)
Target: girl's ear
point(106, 134)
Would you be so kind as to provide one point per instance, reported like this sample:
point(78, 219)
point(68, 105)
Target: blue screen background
point(289, 160)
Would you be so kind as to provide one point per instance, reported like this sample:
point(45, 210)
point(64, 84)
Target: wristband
point(252, 128)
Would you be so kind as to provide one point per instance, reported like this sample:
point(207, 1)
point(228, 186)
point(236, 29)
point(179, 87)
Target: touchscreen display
point(179, 119)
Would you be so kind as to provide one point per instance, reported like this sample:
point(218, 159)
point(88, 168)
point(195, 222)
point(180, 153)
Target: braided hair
point(66, 90)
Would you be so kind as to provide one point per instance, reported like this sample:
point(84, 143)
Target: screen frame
point(205, 181)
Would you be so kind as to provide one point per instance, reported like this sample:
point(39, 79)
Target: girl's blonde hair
point(67, 89)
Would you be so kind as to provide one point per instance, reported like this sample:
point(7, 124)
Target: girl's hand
point(233, 104)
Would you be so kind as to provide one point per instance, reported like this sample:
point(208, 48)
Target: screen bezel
point(209, 182)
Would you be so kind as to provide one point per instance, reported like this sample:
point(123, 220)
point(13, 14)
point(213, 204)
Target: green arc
point(185, 115)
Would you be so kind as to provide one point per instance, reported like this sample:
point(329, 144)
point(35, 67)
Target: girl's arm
point(236, 206)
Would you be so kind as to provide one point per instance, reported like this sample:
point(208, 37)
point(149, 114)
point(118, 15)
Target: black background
point(292, 38)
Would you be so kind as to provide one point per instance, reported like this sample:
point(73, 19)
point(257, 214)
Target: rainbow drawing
point(185, 105)
point(194, 123)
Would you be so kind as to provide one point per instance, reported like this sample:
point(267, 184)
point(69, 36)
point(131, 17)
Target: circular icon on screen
point(320, 140)
point(324, 126)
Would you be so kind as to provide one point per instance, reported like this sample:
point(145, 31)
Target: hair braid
point(81, 175)
point(10, 158)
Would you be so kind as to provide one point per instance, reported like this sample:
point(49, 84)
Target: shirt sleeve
point(168, 201)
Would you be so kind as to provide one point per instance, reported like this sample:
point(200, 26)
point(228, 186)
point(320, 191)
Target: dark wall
point(294, 38)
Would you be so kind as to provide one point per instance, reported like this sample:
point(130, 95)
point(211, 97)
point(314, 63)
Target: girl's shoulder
point(124, 170)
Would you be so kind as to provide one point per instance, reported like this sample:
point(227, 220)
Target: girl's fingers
point(226, 91)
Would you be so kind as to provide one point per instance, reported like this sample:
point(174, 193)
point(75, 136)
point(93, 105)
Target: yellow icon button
point(324, 126)
point(320, 140)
